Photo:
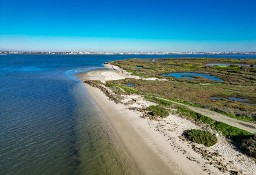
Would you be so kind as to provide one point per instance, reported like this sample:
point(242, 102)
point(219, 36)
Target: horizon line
point(129, 52)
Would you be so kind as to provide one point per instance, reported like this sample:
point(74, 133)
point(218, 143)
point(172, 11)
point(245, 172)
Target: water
point(49, 124)
point(216, 98)
point(241, 100)
point(191, 75)
point(130, 84)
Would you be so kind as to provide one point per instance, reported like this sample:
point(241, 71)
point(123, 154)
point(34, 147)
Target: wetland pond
point(130, 85)
point(192, 75)
point(237, 99)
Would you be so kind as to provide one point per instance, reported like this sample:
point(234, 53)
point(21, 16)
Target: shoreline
point(127, 136)
point(164, 149)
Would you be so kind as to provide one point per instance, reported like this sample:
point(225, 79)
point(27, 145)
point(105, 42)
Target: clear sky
point(128, 25)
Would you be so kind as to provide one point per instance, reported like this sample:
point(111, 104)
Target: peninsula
point(180, 116)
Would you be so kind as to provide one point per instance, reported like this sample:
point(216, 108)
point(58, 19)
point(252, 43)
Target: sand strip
point(147, 161)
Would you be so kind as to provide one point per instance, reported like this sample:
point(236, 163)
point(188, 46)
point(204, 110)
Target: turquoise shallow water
point(48, 124)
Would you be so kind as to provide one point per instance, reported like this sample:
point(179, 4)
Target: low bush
point(158, 111)
point(202, 137)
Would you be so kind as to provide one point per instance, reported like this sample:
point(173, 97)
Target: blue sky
point(128, 25)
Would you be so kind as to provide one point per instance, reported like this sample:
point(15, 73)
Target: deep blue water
point(191, 75)
point(48, 124)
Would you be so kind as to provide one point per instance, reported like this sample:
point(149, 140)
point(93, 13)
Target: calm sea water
point(48, 123)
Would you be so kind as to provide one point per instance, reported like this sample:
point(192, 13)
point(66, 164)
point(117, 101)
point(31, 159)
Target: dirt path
point(250, 127)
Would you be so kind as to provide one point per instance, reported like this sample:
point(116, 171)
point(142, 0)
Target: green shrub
point(202, 137)
point(158, 111)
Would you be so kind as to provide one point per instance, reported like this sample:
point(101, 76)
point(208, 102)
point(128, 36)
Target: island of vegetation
point(217, 95)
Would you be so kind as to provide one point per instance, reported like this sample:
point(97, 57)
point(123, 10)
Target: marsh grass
point(230, 74)
point(199, 95)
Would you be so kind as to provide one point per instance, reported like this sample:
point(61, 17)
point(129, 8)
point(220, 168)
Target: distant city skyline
point(128, 26)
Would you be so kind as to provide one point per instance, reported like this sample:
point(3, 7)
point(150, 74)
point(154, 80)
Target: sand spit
point(157, 146)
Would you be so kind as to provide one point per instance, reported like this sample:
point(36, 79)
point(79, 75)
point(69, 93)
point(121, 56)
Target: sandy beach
point(156, 146)
point(122, 126)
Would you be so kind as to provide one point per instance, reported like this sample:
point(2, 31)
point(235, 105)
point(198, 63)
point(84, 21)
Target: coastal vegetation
point(198, 95)
point(226, 69)
point(158, 111)
point(202, 137)
point(234, 97)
